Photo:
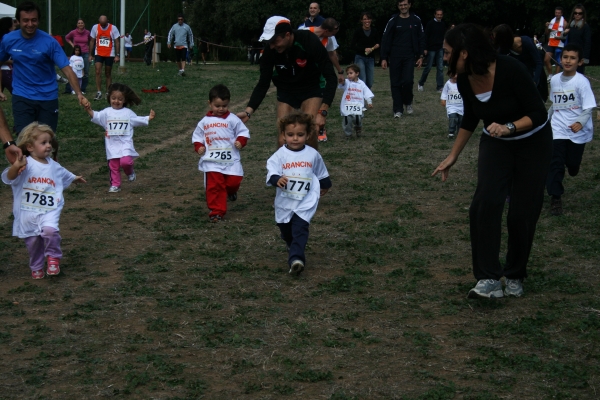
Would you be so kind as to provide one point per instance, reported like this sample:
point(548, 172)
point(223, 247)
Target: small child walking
point(118, 122)
point(452, 100)
point(356, 93)
point(572, 126)
point(301, 178)
point(76, 64)
point(38, 198)
point(218, 138)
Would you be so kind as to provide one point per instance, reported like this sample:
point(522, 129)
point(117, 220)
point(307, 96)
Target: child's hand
point(576, 127)
point(79, 179)
point(238, 145)
point(201, 150)
point(323, 191)
point(152, 114)
point(20, 163)
point(282, 182)
point(370, 105)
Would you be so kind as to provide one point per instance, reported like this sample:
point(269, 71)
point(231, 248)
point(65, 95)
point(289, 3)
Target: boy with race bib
point(356, 92)
point(118, 122)
point(218, 138)
point(37, 184)
point(452, 100)
point(572, 126)
point(301, 178)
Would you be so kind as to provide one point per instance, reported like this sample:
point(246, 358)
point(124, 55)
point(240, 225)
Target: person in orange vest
point(556, 31)
point(104, 37)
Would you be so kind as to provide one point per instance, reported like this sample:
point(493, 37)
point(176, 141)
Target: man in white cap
point(295, 60)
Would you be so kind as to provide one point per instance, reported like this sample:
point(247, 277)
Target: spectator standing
point(149, 46)
point(580, 33)
point(81, 37)
point(104, 37)
point(128, 43)
point(556, 30)
point(364, 43)
point(182, 38)
point(434, 37)
point(403, 42)
point(314, 16)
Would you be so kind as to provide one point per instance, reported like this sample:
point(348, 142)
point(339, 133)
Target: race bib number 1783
point(37, 201)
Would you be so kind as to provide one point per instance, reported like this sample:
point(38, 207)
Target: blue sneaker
point(486, 289)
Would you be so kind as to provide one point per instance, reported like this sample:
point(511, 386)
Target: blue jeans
point(438, 58)
point(367, 67)
point(454, 121)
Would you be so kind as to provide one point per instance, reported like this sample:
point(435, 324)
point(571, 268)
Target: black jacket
point(418, 37)
point(582, 37)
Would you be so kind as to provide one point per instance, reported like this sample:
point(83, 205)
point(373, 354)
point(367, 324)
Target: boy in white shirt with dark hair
point(356, 92)
point(572, 126)
point(452, 100)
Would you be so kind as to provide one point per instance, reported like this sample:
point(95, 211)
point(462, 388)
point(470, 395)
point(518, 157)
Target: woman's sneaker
point(39, 274)
point(53, 266)
point(486, 289)
point(514, 287)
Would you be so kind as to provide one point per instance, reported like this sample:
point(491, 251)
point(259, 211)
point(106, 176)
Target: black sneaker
point(215, 218)
point(232, 197)
point(296, 267)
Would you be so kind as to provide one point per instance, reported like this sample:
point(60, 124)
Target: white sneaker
point(114, 189)
point(72, 92)
point(398, 115)
point(420, 88)
point(131, 177)
point(409, 109)
point(98, 96)
point(296, 267)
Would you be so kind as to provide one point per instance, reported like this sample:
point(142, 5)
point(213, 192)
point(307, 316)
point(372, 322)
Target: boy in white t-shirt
point(218, 138)
point(301, 178)
point(572, 126)
point(452, 100)
point(356, 93)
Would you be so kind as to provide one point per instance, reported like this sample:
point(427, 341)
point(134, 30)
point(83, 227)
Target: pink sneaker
point(39, 274)
point(53, 266)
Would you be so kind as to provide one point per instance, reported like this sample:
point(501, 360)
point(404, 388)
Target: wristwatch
point(511, 127)
point(8, 144)
point(248, 114)
point(340, 72)
point(323, 112)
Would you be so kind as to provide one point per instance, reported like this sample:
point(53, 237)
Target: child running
point(119, 121)
point(38, 198)
point(352, 105)
point(572, 126)
point(301, 178)
point(452, 100)
point(218, 138)
point(76, 64)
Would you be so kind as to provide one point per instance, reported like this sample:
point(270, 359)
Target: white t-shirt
point(118, 135)
point(76, 63)
point(38, 196)
point(219, 134)
point(114, 34)
point(569, 99)
point(355, 95)
point(454, 102)
point(127, 41)
point(303, 168)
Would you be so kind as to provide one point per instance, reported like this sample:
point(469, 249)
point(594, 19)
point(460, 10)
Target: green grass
point(155, 302)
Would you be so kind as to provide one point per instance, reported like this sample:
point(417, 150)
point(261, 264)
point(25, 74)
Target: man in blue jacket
point(403, 42)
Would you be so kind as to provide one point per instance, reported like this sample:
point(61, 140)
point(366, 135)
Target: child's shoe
point(131, 177)
point(53, 266)
point(232, 197)
point(114, 189)
point(215, 218)
point(39, 274)
point(296, 267)
point(358, 131)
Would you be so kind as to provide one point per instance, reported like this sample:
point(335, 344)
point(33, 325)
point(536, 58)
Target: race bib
point(553, 34)
point(297, 187)
point(117, 127)
point(37, 201)
point(565, 100)
point(454, 98)
point(104, 41)
point(78, 65)
point(353, 108)
point(221, 155)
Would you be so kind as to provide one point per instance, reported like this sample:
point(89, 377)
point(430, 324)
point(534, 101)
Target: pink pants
point(40, 247)
point(115, 165)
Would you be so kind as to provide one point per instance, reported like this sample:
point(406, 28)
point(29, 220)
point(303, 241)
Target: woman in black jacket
point(580, 33)
point(366, 40)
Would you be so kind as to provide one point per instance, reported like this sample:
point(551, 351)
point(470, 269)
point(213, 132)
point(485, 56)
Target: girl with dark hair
point(580, 33)
point(514, 156)
point(366, 40)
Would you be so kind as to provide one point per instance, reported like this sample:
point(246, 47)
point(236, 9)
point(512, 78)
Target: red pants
point(218, 187)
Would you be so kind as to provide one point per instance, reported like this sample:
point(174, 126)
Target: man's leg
point(98, 67)
point(311, 107)
point(395, 79)
point(407, 80)
point(425, 74)
point(183, 59)
point(439, 77)
point(108, 75)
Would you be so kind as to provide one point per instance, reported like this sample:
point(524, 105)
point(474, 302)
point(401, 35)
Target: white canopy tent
point(7, 11)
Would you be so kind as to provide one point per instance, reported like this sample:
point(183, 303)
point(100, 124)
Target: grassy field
point(155, 302)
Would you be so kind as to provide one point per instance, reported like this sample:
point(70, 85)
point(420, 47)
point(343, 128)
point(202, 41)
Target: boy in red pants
point(218, 138)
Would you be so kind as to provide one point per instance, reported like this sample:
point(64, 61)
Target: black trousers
point(295, 235)
point(518, 167)
point(567, 153)
point(402, 76)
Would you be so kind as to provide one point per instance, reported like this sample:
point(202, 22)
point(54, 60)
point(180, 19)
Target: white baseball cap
point(275, 25)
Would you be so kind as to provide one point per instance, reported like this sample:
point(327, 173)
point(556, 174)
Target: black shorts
point(107, 61)
point(295, 100)
point(181, 54)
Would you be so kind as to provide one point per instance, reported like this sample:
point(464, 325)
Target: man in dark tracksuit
point(403, 42)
